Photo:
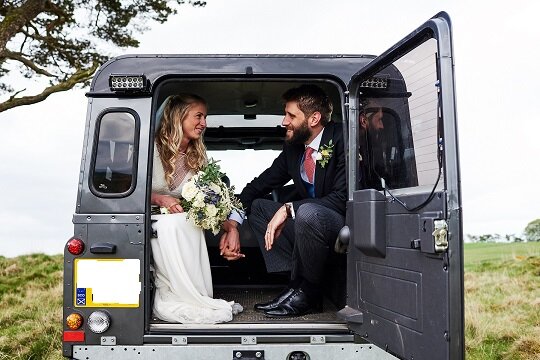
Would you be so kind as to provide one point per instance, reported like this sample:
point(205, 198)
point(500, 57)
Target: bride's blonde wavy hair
point(169, 136)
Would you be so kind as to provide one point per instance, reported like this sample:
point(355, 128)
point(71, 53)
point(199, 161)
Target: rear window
point(114, 154)
point(398, 142)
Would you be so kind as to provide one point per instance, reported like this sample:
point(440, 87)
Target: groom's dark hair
point(311, 98)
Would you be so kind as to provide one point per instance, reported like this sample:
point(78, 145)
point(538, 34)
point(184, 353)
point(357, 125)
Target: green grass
point(502, 301)
point(485, 252)
point(502, 304)
point(31, 307)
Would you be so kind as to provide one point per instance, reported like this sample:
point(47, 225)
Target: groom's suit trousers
point(305, 243)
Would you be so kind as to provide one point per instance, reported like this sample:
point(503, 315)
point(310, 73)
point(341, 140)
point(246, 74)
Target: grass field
point(502, 304)
point(502, 301)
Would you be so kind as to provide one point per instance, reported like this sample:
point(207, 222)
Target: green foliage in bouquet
point(207, 200)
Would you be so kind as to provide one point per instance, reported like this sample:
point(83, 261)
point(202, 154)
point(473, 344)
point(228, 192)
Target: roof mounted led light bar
point(128, 83)
point(375, 83)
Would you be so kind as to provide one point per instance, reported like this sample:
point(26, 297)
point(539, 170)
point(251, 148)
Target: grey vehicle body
point(403, 270)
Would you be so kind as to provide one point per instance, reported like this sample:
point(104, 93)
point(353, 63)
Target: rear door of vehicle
point(110, 219)
point(405, 269)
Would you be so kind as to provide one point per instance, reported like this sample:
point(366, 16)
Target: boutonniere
point(325, 153)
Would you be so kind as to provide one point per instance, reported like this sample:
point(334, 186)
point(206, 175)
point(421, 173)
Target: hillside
point(502, 302)
point(31, 307)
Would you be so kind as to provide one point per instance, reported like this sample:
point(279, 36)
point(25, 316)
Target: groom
point(298, 236)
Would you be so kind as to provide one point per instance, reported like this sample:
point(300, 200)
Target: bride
point(182, 269)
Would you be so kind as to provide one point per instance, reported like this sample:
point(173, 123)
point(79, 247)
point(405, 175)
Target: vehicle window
point(242, 166)
point(113, 171)
point(397, 135)
point(214, 121)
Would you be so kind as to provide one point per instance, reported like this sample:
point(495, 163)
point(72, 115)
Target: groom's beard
point(300, 135)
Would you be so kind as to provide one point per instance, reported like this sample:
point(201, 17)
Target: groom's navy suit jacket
point(330, 182)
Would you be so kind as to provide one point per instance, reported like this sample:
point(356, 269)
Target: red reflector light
point(73, 335)
point(75, 246)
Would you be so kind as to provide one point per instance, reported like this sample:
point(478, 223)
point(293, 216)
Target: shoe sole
point(295, 315)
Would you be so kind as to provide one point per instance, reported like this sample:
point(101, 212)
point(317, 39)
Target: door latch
point(440, 235)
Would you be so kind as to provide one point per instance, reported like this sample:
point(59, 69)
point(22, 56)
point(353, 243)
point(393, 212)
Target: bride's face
point(195, 121)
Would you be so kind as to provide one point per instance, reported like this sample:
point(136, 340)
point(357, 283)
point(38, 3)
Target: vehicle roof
point(158, 67)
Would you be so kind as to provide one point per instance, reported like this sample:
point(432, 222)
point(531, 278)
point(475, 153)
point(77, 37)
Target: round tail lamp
point(75, 246)
point(74, 321)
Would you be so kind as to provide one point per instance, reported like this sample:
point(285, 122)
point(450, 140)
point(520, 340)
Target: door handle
point(103, 248)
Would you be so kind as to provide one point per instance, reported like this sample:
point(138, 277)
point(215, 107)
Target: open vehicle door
point(405, 268)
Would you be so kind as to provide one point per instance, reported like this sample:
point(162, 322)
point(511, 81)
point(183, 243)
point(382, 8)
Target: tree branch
point(79, 76)
point(15, 19)
point(30, 64)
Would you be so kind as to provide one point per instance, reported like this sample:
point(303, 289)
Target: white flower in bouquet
point(198, 202)
point(189, 191)
point(211, 210)
point(207, 200)
point(215, 188)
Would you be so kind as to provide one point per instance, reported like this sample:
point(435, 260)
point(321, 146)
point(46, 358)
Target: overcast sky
point(496, 48)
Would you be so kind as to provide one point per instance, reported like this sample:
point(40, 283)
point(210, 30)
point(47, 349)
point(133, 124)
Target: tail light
point(74, 321)
point(99, 322)
point(75, 246)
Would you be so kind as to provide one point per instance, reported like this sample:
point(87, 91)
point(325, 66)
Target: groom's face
point(296, 123)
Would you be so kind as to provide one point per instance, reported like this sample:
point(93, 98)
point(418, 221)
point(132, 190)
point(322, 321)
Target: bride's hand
point(229, 245)
point(175, 208)
point(170, 203)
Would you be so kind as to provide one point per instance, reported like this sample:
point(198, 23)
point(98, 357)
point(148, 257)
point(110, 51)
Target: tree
point(63, 40)
point(532, 230)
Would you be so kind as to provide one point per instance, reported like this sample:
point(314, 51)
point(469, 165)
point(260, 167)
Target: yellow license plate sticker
point(107, 282)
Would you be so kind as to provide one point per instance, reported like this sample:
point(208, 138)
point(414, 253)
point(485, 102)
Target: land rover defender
point(395, 287)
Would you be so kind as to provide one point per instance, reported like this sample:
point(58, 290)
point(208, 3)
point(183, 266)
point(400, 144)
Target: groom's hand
point(273, 230)
point(229, 244)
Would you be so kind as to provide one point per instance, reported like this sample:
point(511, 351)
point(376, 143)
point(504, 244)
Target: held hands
point(229, 244)
point(274, 227)
point(170, 203)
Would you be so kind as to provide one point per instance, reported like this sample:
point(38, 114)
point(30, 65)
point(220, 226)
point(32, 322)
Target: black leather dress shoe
point(275, 302)
point(296, 304)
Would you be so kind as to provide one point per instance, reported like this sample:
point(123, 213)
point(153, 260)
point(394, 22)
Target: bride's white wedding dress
point(183, 279)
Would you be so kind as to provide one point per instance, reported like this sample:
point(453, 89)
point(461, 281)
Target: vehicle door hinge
point(440, 235)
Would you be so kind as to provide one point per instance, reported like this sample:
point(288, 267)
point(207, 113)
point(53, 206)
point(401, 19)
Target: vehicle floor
point(248, 297)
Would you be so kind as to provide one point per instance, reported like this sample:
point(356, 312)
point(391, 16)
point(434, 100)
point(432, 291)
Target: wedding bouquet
point(207, 200)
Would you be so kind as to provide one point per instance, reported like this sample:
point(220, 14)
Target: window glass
point(242, 166)
point(397, 135)
point(241, 121)
point(114, 166)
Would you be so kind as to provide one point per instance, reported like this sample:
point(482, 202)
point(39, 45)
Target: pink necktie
point(309, 164)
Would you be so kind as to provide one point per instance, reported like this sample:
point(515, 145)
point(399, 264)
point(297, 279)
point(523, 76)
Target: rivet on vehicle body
point(88, 218)
point(113, 217)
point(258, 354)
point(238, 354)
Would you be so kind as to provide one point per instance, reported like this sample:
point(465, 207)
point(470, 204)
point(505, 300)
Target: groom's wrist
point(289, 208)
point(229, 225)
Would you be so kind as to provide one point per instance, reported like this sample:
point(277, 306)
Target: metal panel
point(127, 234)
point(323, 351)
point(409, 300)
point(340, 67)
